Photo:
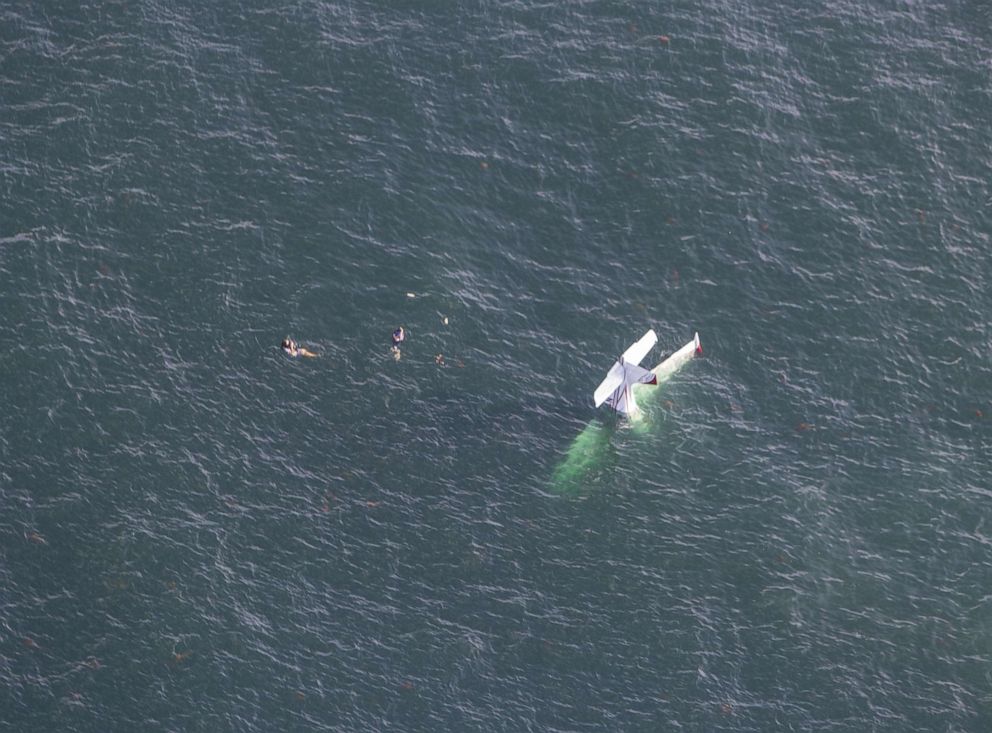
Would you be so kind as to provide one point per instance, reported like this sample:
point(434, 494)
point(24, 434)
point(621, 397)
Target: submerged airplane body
point(592, 448)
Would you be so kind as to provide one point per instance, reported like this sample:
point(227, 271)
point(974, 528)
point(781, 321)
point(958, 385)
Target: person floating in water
point(294, 349)
point(398, 336)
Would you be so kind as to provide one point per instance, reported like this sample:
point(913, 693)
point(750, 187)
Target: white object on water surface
point(617, 389)
point(626, 372)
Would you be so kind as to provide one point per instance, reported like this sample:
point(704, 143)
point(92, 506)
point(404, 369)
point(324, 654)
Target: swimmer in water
point(294, 349)
point(398, 336)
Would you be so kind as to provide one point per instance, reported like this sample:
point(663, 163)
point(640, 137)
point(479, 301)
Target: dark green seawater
point(198, 533)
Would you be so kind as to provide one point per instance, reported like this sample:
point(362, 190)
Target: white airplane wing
point(615, 389)
point(639, 349)
point(625, 372)
point(614, 379)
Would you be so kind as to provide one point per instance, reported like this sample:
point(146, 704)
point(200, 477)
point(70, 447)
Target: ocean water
point(200, 533)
